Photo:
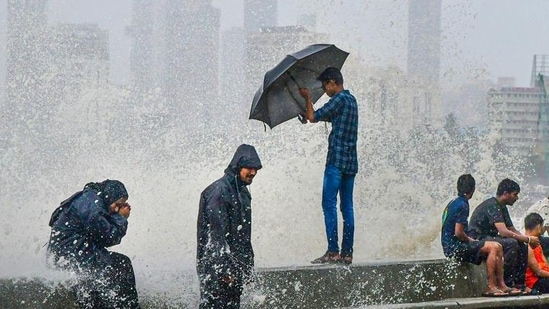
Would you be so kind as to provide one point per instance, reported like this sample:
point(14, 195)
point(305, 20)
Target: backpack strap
point(57, 212)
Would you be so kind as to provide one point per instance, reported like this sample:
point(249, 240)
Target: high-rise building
point(540, 66)
point(259, 14)
point(47, 67)
point(424, 37)
point(403, 102)
point(232, 82)
point(521, 114)
point(468, 103)
point(540, 79)
point(148, 52)
point(175, 51)
point(3, 24)
point(514, 113)
point(27, 67)
point(49, 64)
point(79, 56)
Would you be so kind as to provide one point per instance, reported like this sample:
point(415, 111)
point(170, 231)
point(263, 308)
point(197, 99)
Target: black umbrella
point(278, 99)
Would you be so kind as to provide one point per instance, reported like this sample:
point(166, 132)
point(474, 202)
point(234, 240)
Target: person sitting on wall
point(82, 227)
point(458, 245)
point(537, 272)
point(491, 221)
point(541, 207)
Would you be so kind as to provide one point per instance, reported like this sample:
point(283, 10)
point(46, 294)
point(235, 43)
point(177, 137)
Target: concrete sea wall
point(379, 284)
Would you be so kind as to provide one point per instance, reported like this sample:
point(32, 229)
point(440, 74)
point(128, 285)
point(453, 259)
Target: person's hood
point(109, 190)
point(244, 156)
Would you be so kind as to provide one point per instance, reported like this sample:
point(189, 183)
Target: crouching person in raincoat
point(225, 258)
point(82, 227)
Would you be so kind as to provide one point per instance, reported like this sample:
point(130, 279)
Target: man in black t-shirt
point(491, 221)
point(458, 245)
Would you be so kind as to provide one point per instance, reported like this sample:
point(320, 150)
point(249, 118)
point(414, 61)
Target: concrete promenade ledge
point(435, 283)
point(541, 301)
point(366, 284)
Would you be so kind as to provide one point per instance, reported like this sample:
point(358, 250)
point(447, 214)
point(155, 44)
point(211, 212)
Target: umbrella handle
point(302, 118)
point(298, 86)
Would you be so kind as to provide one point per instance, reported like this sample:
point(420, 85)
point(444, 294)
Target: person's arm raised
point(309, 111)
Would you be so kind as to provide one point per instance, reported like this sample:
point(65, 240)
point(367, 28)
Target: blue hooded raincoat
point(82, 228)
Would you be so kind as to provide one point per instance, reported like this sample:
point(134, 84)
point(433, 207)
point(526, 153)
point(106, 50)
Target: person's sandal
point(513, 291)
point(522, 290)
point(327, 258)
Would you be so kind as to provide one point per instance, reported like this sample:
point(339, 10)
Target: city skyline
point(391, 53)
point(481, 39)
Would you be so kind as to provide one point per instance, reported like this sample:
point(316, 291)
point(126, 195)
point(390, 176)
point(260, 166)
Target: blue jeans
point(335, 181)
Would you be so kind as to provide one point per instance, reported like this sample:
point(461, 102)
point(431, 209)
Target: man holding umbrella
point(341, 163)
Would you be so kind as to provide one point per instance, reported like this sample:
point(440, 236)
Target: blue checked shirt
point(342, 112)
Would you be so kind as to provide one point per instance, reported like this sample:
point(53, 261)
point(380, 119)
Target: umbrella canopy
point(278, 99)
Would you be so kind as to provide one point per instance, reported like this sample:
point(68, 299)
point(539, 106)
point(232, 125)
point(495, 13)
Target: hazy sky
point(481, 38)
point(499, 36)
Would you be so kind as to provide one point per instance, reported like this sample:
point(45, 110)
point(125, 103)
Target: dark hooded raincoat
point(82, 228)
point(225, 225)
